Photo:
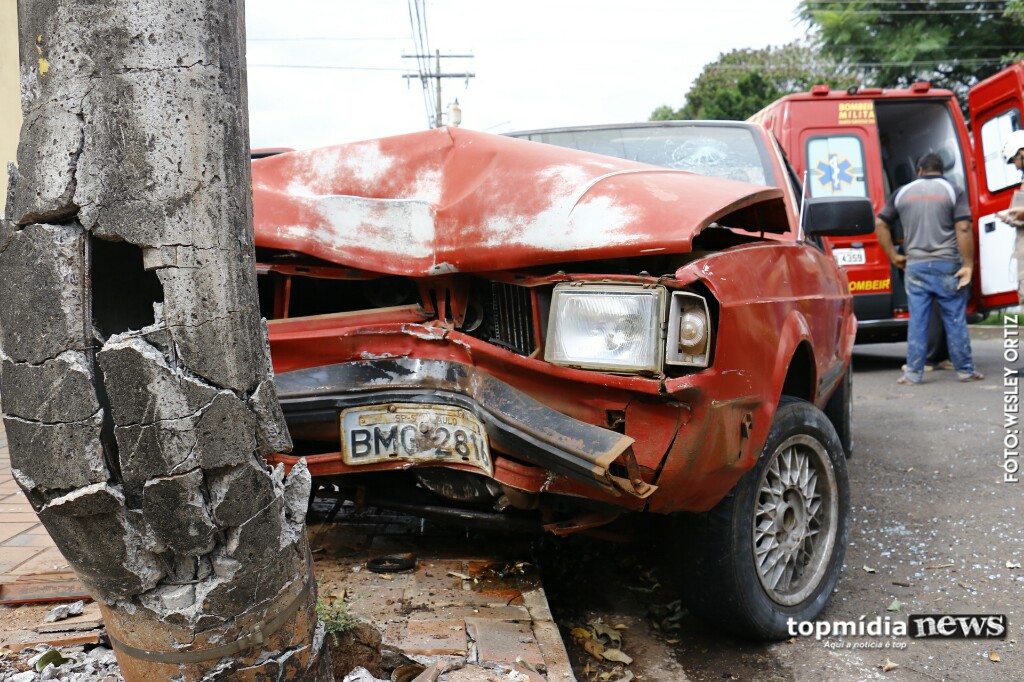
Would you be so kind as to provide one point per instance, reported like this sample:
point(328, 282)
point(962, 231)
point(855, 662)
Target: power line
point(310, 39)
point(329, 68)
point(422, 48)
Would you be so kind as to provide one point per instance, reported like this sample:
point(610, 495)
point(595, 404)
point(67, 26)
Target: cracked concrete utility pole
point(135, 377)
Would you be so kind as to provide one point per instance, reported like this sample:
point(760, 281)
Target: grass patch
point(335, 616)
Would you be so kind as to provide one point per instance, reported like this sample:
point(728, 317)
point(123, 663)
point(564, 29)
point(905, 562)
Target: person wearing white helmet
point(1013, 152)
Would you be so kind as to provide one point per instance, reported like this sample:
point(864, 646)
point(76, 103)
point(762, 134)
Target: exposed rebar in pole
point(135, 380)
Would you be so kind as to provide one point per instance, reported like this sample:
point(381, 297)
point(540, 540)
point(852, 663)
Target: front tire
point(839, 410)
point(773, 549)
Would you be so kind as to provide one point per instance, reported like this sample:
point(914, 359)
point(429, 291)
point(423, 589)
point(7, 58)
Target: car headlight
point(689, 331)
point(606, 326)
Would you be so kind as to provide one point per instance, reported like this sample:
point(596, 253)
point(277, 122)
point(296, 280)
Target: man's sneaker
point(945, 364)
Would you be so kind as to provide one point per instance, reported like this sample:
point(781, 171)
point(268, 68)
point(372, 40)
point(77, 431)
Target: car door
point(996, 107)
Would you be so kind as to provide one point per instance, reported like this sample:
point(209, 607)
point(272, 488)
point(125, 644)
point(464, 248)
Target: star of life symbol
point(835, 172)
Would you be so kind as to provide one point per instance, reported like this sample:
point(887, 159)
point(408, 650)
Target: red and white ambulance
point(865, 142)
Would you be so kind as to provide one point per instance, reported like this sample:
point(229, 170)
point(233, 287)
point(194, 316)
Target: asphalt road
point(933, 527)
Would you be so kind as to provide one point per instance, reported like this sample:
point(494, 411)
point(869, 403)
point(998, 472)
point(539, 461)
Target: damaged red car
point(492, 328)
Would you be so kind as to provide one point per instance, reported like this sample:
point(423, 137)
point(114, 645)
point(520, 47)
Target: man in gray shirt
point(938, 264)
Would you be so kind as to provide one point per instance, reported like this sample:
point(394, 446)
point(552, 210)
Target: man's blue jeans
point(929, 281)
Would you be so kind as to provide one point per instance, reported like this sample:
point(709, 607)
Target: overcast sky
point(536, 63)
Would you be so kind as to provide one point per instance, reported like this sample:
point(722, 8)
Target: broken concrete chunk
point(159, 257)
point(112, 570)
point(240, 493)
point(248, 543)
point(42, 285)
point(271, 429)
point(6, 223)
point(143, 388)
point(226, 433)
point(176, 511)
point(51, 141)
point(232, 365)
point(297, 487)
point(64, 611)
point(59, 390)
point(58, 456)
point(154, 450)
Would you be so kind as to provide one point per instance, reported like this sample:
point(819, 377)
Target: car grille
point(512, 310)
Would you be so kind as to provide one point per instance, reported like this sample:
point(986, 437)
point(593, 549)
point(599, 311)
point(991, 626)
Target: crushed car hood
point(453, 200)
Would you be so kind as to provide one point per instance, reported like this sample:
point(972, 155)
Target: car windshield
point(719, 151)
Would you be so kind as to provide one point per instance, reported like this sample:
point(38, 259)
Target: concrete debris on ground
point(96, 665)
point(64, 611)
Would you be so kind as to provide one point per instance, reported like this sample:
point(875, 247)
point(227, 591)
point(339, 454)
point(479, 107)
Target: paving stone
point(452, 598)
point(435, 637)
point(46, 560)
point(501, 642)
point(28, 540)
point(14, 556)
point(12, 528)
point(435, 575)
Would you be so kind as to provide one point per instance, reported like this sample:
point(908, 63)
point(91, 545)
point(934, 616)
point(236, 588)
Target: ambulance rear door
point(995, 109)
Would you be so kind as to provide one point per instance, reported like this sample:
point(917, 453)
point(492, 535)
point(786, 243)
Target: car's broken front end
point(464, 321)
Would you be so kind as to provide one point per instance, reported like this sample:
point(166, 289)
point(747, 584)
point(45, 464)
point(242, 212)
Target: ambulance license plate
point(849, 256)
point(412, 432)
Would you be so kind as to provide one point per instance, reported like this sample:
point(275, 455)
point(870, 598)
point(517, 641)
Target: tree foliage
point(949, 43)
point(740, 83)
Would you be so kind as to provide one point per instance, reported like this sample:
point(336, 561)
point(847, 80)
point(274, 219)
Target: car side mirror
point(838, 216)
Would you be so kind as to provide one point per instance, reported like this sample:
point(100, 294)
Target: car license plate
point(849, 256)
point(413, 432)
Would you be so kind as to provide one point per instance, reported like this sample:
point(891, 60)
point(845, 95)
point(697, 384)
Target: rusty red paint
point(453, 200)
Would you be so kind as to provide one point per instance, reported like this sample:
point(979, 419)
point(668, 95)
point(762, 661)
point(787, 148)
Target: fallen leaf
point(894, 606)
point(580, 635)
point(386, 576)
point(617, 655)
point(51, 656)
point(1012, 564)
point(868, 569)
point(910, 469)
point(791, 640)
point(605, 634)
point(673, 641)
point(620, 626)
point(594, 648)
point(940, 566)
point(5, 652)
point(459, 575)
point(994, 656)
point(888, 665)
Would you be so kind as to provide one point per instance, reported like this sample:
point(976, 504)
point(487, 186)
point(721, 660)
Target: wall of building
point(10, 106)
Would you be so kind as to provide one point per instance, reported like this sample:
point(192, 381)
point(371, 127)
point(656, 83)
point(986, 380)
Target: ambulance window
point(999, 174)
point(836, 166)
